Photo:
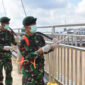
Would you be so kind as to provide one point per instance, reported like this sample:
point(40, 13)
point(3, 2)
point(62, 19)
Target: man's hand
point(7, 48)
point(40, 51)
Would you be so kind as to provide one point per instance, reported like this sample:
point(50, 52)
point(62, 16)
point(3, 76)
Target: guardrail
point(71, 39)
point(66, 65)
point(53, 27)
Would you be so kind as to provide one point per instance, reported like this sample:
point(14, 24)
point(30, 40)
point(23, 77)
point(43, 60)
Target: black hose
point(36, 33)
point(13, 32)
point(44, 35)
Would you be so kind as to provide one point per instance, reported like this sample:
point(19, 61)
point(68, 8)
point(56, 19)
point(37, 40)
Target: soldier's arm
point(4, 48)
point(43, 44)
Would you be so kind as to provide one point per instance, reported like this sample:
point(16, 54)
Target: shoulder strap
point(22, 59)
point(26, 40)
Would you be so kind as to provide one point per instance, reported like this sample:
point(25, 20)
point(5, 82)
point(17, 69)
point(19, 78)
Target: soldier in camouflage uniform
point(6, 38)
point(32, 75)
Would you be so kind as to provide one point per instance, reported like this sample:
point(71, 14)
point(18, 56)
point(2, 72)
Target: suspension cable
point(23, 8)
point(4, 8)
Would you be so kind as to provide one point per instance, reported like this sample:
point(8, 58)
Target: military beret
point(29, 20)
point(4, 19)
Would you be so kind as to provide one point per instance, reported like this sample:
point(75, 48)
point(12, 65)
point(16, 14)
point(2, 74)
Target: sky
point(74, 1)
point(47, 12)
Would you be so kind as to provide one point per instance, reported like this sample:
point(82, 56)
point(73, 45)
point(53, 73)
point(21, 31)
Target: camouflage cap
point(29, 20)
point(4, 19)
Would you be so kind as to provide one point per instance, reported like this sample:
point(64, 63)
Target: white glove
point(46, 48)
point(7, 48)
point(54, 45)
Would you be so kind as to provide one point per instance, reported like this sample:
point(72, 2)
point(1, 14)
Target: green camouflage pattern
point(31, 75)
point(7, 64)
point(6, 39)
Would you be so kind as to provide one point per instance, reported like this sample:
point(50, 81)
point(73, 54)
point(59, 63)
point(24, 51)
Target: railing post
point(80, 68)
point(80, 41)
point(64, 65)
point(72, 66)
point(67, 66)
point(76, 70)
point(58, 64)
point(18, 30)
point(53, 30)
point(61, 65)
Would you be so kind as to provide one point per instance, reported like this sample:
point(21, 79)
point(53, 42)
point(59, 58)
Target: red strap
point(22, 60)
point(26, 40)
point(21, 63)
point(34, 63)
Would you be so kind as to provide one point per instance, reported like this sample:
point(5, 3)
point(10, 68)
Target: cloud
point(48, 12)
point(45, 11)
point(49, 17)
point(46, 4)
point(1, 9)
point(80, 9)
point(77, 12)
point(14, 11)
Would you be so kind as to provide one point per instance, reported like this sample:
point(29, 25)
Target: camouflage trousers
point(5, 62)
point(27, 80)
point(32, 76)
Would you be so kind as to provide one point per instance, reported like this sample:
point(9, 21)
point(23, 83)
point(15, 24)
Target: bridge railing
point(66, 65)
point(53, 28)
point(71, 39)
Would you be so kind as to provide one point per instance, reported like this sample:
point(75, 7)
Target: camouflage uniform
point(6, 38)
point(31, 75)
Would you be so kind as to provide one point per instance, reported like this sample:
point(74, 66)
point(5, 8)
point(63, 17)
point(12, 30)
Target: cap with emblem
point(4, 19)
point(29, 20)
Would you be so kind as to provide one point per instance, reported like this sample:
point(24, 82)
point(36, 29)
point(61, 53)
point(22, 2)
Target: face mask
point(6, 26)
point(33, 29)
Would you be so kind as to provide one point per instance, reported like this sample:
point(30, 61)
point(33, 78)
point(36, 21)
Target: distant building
point(22, 30)
point(80, 31)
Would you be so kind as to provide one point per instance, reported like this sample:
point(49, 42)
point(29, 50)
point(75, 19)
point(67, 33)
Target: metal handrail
point(65, 58)
point(68, 46)
point(55, 26)
point(65, 25)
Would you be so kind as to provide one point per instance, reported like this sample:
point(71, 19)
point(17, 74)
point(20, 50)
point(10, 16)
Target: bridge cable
point(4, 8)
point(23, 8)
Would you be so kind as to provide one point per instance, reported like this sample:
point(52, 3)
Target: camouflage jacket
point(28, 52)
point(6, 39)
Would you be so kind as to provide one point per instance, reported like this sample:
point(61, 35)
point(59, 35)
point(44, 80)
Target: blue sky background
point(74, 1)
point(48, 12)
